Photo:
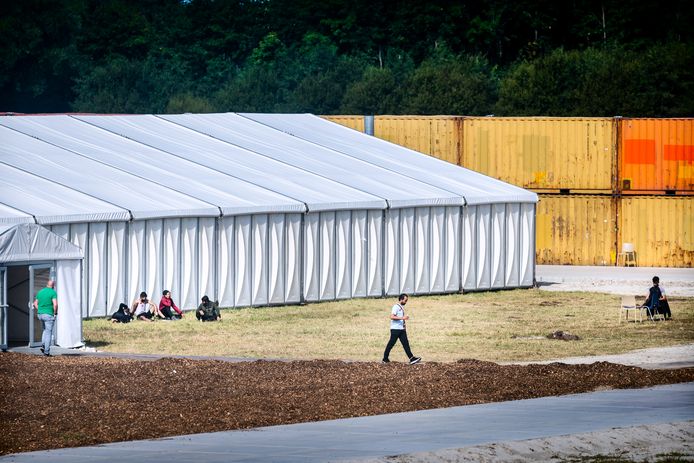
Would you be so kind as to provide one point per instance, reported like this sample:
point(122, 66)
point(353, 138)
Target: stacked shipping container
point(602, 181)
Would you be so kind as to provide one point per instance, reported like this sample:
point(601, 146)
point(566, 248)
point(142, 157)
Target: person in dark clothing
point(208, 311)
point(657, 301)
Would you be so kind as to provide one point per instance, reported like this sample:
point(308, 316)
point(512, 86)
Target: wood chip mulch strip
point(67, 401)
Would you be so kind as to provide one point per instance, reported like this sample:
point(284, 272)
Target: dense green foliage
point(526, 57)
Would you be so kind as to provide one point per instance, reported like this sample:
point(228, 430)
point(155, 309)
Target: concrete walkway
point(614, 280)
point(401, 433)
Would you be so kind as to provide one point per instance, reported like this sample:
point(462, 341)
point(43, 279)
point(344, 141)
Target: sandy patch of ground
point(635, 443)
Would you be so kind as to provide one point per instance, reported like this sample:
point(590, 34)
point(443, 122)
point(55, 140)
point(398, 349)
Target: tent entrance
point(20, 284)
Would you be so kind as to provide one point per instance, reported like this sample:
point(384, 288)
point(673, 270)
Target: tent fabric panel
point(407, 248)
point(326, 229)
point(277, 254)
point(391, 261)
point(207, 250)
point(453, 251)
point(359, 254)
point(97, 270)
point(311, 257)
point(438, 250)
point(484, 250)
point(243, 264)
point(469, 252)
point(137, 259)
point(78, 234)
point(527, 245)
point(512, 279)
point(189, 271)
point(260, 260)
point(171, 259)
point(423, 244)
point(343, 254)
point(154, 232)
point(226, 262)
point(498, 245)
point(375, 252)
point(68, 332)
point(116, 265)
point(292, 292)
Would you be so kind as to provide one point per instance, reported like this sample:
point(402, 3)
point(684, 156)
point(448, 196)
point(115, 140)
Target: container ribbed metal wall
point(656, 156)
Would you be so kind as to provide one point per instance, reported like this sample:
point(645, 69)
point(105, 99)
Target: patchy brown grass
point(493, 326)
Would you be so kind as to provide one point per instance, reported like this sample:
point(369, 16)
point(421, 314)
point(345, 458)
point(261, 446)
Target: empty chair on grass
point(208, 311)
point(629, 305)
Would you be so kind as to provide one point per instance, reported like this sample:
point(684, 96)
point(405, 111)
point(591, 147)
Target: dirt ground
point(68, 401)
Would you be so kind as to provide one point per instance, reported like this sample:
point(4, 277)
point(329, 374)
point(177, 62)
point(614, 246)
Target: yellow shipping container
point(576, 230)
point(661, 228)
point(353, 122)
point(438, 136)
point(542, 153)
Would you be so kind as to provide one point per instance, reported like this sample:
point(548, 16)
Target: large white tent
point(258, 209)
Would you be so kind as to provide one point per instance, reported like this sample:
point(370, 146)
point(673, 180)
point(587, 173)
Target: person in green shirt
point(46, 305)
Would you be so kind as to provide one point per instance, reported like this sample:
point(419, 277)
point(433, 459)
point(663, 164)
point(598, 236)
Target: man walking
point(46, 305)
point(397, 331)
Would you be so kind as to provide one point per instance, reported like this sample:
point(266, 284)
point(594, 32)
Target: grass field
point(495, 326)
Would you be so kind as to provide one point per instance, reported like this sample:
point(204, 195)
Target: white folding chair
point(629, 303)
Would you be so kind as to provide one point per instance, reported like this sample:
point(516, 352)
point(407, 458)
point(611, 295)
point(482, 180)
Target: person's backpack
point(122, 315)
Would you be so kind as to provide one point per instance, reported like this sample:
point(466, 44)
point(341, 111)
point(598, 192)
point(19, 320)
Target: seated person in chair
point(208, 311)
point(654, 300)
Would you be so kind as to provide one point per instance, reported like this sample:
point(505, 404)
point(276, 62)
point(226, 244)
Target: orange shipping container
point(353, 122)
point(661, 228)
point(656, 155)
point(543, 153)
point(438, 136)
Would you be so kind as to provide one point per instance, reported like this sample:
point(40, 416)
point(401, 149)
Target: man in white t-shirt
point(398, 331)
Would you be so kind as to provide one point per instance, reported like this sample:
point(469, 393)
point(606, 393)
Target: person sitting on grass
point(208, 311)
point(166, 305)
point(144, 309)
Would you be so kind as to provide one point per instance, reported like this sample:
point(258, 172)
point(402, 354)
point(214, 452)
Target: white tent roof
point(317, 192)
point(31, 242)
point(50, 202)
point(476, 188)
point(399, 190)
point(10, 215)
point(96, 179)
point(62, 168)
point(232, 195)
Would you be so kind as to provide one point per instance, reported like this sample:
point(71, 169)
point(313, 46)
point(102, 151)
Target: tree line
point(524, 58)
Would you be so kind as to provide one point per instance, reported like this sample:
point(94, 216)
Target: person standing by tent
point(46, 305)
point(397, 331)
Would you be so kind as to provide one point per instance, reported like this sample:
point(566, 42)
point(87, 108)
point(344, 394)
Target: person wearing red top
point(166, 304)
